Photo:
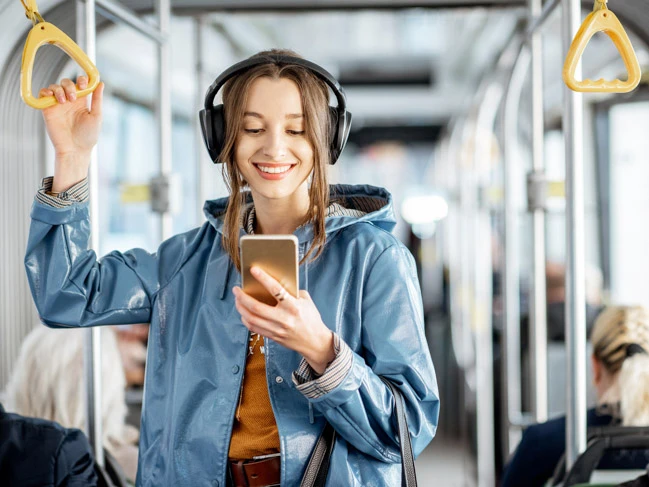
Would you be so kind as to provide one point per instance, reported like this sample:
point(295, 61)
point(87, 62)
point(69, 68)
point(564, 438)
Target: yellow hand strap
point(601, 19)
point(45, 33)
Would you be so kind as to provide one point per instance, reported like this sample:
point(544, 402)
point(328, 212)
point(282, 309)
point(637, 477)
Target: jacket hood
point(349, 204)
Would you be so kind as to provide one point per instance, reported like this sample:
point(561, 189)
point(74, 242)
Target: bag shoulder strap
point(317, 469)
point(408, 474)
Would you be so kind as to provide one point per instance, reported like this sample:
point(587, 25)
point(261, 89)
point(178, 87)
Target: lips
point(274, 167)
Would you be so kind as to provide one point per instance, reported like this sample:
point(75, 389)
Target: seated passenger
point(36, 452)
point(131, 341)
point(48, 382)
point(620, 339)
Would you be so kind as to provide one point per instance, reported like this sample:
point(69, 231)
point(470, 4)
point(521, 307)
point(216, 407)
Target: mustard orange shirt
point(254, 431)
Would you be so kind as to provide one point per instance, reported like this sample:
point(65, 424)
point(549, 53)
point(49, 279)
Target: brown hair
point(619, 333)
point(315, 101)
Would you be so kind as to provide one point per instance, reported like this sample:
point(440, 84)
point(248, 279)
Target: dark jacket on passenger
point(543, 445)
point(36, 452)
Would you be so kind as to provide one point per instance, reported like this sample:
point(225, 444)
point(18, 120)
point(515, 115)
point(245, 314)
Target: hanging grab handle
point(601, 19)
point(45, 33)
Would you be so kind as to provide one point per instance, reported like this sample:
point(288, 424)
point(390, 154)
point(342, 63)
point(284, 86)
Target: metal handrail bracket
point(118, 13)
point(540, 21)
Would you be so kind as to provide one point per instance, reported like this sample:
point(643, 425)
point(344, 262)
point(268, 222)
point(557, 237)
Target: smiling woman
point(237, 391)
point(279, 116)
point(271, 146)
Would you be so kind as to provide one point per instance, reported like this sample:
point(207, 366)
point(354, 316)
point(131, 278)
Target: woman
point(229, 379)
point(48, 383)
point(620, 363)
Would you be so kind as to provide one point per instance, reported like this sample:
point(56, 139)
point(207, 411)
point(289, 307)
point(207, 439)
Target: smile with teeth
point(273, 169)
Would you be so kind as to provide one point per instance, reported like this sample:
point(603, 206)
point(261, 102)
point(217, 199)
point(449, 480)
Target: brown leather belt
point(260, 473)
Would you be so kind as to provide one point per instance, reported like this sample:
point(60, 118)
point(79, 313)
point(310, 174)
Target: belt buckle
point(263, 457)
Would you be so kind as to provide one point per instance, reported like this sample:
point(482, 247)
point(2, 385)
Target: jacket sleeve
point(74, 463)
point(70, 287)
point(361, 407)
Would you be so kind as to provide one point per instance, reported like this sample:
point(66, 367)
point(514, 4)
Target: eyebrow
point(258, 115)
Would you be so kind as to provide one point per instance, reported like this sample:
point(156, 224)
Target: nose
point(275, 145)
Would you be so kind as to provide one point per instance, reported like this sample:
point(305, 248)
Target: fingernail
point(73, 96)
point(254, 271)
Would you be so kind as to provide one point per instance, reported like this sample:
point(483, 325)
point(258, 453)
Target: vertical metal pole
point(538, 315)
point(575, 248)
point(511, 264)
point(199, 25)
point(164, 113)
point(455, 246)
point(466, 241)
point(454, 239)
point(86, 35)
point(483, 288)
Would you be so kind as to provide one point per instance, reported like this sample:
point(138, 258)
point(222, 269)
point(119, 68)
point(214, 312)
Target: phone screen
point(275, 254)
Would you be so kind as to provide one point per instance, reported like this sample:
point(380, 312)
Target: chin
point(277, 190)
point(273, 193)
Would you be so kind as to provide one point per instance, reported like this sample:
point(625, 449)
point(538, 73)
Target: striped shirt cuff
point(312, 385)
point(79, 193)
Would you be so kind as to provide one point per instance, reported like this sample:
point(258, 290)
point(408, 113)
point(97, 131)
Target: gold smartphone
point(275, 254)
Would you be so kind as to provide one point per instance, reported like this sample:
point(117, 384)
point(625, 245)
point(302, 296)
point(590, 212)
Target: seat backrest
point(610, 438)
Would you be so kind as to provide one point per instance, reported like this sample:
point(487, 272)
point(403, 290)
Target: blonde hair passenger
point(620, 339)
point(48, 382)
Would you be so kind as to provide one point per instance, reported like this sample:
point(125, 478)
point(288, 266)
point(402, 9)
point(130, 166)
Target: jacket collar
point(374, 203)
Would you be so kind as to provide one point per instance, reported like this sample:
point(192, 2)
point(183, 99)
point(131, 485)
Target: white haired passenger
point(48, 382)
point(620, 362)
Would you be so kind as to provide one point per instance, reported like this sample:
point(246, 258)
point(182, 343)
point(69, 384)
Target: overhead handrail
point(45, 33)
point(601, 19)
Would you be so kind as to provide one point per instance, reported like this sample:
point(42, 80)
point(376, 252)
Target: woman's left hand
point(294, 322)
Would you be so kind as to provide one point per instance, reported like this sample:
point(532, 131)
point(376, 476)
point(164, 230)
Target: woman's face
point(272, 151)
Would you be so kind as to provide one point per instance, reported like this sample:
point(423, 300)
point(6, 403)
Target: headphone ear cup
point(340, 125)
point(218, 131)
point(333, 134)
point(213, 130)
point(345, 128)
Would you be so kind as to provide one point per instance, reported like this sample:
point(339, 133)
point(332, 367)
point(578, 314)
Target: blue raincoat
point(364, 285)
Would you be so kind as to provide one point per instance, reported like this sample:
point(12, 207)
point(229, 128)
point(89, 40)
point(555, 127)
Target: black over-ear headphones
point(213, 120)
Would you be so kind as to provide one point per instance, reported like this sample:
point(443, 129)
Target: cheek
point(305, 153)
point(243, 150)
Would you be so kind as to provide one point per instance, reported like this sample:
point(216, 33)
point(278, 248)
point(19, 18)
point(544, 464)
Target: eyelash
point(257, 131)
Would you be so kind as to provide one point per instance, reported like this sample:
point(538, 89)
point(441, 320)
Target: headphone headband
point(213, 120)
point(246, 64)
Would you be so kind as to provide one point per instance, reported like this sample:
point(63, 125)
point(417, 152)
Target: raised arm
point(69, 286)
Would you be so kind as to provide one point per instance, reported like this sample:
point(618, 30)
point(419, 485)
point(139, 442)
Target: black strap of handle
point(318, 466)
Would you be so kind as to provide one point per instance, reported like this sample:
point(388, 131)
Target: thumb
point(97, 98)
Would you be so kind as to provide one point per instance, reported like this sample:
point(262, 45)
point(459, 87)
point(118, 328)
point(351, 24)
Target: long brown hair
point(315, 101)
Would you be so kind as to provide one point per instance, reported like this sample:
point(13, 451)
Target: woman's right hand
point(72, 128)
